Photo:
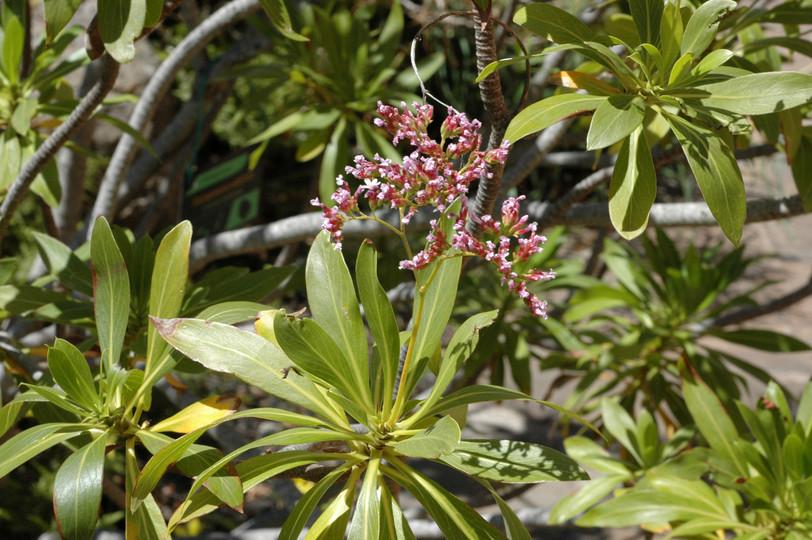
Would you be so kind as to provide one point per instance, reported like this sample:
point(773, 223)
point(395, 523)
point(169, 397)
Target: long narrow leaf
point(78, 490)
point(309, 346)
point(111, 287)
point(168, 285)
point(455, 518)
point(717, 173)
point(381, 319)
point(245, 355)
point(27, 444)
point(332, 300)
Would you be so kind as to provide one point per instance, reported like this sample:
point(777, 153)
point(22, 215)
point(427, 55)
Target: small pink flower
point(429, 176)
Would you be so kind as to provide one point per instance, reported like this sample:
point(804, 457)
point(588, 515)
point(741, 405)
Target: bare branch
point(490, 88)
point(57, 140)
point(156, 88)
point(692, 214)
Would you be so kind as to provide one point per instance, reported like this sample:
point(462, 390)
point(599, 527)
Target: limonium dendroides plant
point(366, 430)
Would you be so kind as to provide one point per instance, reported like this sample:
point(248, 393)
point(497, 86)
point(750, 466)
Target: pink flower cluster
point(429, 177)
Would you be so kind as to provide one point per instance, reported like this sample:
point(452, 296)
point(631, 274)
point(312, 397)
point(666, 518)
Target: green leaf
point(111, 287)
point(480, 392)
point(232, 312)
point(23, 113)
point(64, 264)
point(252, 472)
point(278, 13)
point(10, 158)
point(171, 453)
point(617, 117)
point(332, 300)
point(247, 356)
point(459, 349)
point(313, 351)
point(513, 461)
point(129, 130)
point(365, 523)
point(702, 26)
point(281, 126)
point(794, 44)
point(46, 184)
point(633, 186)
point(30, 442)
point(455, 518)
point(78, 490)
point(670, 35)
point(548, 111)
point(621, 426)
point(553, 23)
point(711, 61)
point(713, 422)
point(58, 14)
point(167, 289)
point(435, 441)
point(332, 523)
point(70, 371)
point(146, 522)
point(717, 173)
point(154, 12)
point(336, 154)
point(635, 508)
point(224, 482)
point(513, 525)
point(10, 413)
point(757, 93)
point(587, 495)
point(588, 452)
point(232, 286)
point(307, 505)
point(382, 323)
point(120, 24)
point(431, 311)
point(393, 523)
point(763, 340)
point(709, 525)
point(647, 15)
point(59, 398)
point(802, 172)
point(13, 40)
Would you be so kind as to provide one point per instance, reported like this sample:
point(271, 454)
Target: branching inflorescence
point(430, 176)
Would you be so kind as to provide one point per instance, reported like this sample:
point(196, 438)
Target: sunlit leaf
point(717, 173)
point(553, 23)
point(513, 461)
point(437, 440)
point(199, 414)
point(633, 186)
point(120, 24)
point(112, 292)
point(614, 119)
point(548, 111)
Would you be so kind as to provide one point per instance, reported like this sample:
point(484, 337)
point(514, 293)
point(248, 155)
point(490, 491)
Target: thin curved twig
point(156, 88)
point(80, 115)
